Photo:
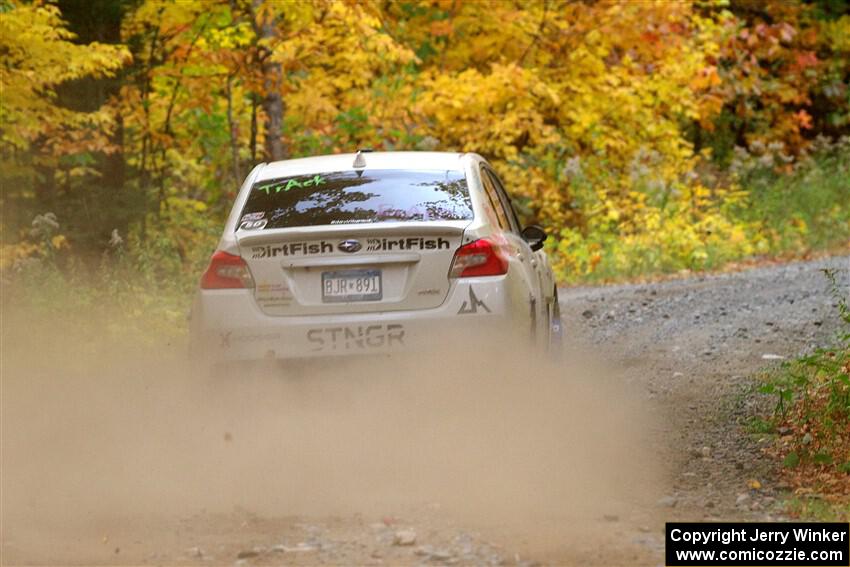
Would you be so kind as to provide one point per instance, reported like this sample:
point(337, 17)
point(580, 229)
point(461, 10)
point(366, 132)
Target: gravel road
point(685, 350)
point(693, 345)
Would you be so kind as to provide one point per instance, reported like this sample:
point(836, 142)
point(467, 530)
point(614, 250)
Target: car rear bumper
point(227, 325)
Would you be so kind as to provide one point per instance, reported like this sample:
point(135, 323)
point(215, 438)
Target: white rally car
point(370, 253)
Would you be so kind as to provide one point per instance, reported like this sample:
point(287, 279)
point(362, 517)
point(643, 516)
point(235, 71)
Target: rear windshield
point(348, 197)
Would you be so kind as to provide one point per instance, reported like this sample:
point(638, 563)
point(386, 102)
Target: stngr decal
point(359, 337)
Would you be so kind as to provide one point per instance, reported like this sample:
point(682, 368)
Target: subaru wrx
point(371, 253)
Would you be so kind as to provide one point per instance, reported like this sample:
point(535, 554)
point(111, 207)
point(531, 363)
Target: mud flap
point(556, 327)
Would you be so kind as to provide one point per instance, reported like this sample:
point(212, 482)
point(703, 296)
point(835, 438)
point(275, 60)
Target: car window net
point(351, 197)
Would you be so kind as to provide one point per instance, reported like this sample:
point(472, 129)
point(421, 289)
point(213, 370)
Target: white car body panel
point(284, 315)
point(235, 328)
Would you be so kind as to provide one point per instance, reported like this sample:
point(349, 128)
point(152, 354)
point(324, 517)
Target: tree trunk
point(234, 134)
point(253, 141)
point(273, 106)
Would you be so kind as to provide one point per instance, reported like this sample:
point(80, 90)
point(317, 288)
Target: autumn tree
point(263, 21)
point(613, 123)
point(37, 56)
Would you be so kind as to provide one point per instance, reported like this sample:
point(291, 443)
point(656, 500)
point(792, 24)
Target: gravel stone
point(668, 502)
point(404, 537)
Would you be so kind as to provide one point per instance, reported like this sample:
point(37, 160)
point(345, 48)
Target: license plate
point(351, 285)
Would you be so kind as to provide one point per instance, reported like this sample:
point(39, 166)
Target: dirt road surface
point(118, 459)
point(694, 346)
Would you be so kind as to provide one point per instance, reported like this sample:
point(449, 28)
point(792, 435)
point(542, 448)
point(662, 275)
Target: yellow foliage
point(37, 53)
point(837, 34)
point(12, 253)
point(59, 242)
point(594, 113)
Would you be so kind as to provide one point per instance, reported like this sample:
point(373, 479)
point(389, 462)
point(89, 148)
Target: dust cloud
point(98, 433)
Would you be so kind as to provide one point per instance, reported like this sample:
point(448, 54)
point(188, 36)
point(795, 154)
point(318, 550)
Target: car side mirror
point(535, 236)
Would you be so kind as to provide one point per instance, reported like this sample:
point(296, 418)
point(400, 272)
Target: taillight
point(227, 271)
point(480, 258)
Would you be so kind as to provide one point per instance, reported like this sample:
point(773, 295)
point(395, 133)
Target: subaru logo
point(349, 246)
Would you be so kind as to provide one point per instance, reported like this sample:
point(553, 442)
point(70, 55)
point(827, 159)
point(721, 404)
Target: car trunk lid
point(387, 266)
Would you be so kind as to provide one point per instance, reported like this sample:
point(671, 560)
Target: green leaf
point(759, 425)
point(792, 459)
point(822, 458)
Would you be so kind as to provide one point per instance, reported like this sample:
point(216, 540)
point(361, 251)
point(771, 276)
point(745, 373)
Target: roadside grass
point(780, 211)
point(137, 289)
point(96, 305)
point(760, 426)
point(808, 209)
point(811, 420)
point(814, 507)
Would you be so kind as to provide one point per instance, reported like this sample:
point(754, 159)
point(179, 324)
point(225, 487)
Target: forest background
point(646, 136)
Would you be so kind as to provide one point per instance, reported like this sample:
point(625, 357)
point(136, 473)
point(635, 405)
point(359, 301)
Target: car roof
point(444, 161)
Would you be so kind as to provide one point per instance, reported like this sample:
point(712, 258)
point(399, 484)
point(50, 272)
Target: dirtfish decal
point(292, 249)
point(293, 183)
point(412, 243)
point(325, 247)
